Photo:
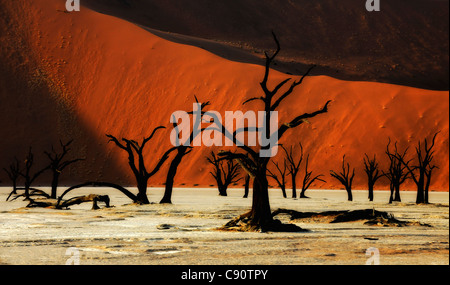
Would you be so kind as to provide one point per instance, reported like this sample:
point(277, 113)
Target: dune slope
point(81, 75)
point(405, 43)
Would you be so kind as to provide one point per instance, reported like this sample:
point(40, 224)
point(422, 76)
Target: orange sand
point(84, 74)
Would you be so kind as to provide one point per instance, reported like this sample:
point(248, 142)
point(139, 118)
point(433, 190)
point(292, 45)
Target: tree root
point(370, 216)
point(245, 223)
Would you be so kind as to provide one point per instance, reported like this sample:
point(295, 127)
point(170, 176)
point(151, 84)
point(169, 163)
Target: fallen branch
point(370, 216)
point(55, 204)
point(127, 193)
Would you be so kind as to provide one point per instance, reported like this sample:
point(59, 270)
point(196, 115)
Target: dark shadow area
point(36, 112)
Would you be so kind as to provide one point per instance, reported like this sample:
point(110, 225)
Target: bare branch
point(151, 136)
point(269, 60)
point(243, 160)
point(253, 99)
point(161, 161)
point(301, 119)
point(289, 91)
point(116, 141)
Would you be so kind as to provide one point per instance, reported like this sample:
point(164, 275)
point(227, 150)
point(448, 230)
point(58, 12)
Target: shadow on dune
point(35, 110)
point(406, 43)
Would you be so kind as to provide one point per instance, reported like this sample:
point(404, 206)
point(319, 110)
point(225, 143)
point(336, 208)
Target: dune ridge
point(405, 43)
point(84, 74)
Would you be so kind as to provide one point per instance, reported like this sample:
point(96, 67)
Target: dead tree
point(58, 164)
point(373, 173)
point(293, 166)
point(308, 179)
point(28, 176)
point(422, 171)
point(254, 162)
point(182, 149)
point(345, 177)
point(13, 174)
point(280, 178)
point(138, 168)
point(223, 176)
point(397, 172)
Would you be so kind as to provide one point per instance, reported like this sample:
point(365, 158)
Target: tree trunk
point(27, 186)
point(222, 190)
point(14, 187)
point(142, 191)
point(349, 194)
point(220, 185)
point(294, 186)
point(420, 190)
point(397, 193)
point(167, 198)
point(260, 214)
point(391, 197)
point(427, 187)
point(283, 190)
point(370, 192)
point(54, 185)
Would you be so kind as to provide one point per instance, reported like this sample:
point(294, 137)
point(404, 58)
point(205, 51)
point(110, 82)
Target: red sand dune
point(81, 75)
point(405, 43)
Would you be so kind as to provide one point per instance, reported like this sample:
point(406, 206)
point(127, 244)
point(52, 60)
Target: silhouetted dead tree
point(13, 174)
point(421, 172)
point(397, 172)
point(182, 149)
point(308, 179)
point(373, 173)
point(293, 166)
point(280, 178)
point(345, 177)
point(58, 164)
point(30, 177)
point(139, 169)
point(254, 163)
point(224, 176)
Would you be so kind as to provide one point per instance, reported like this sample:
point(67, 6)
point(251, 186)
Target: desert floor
point(185, 233)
